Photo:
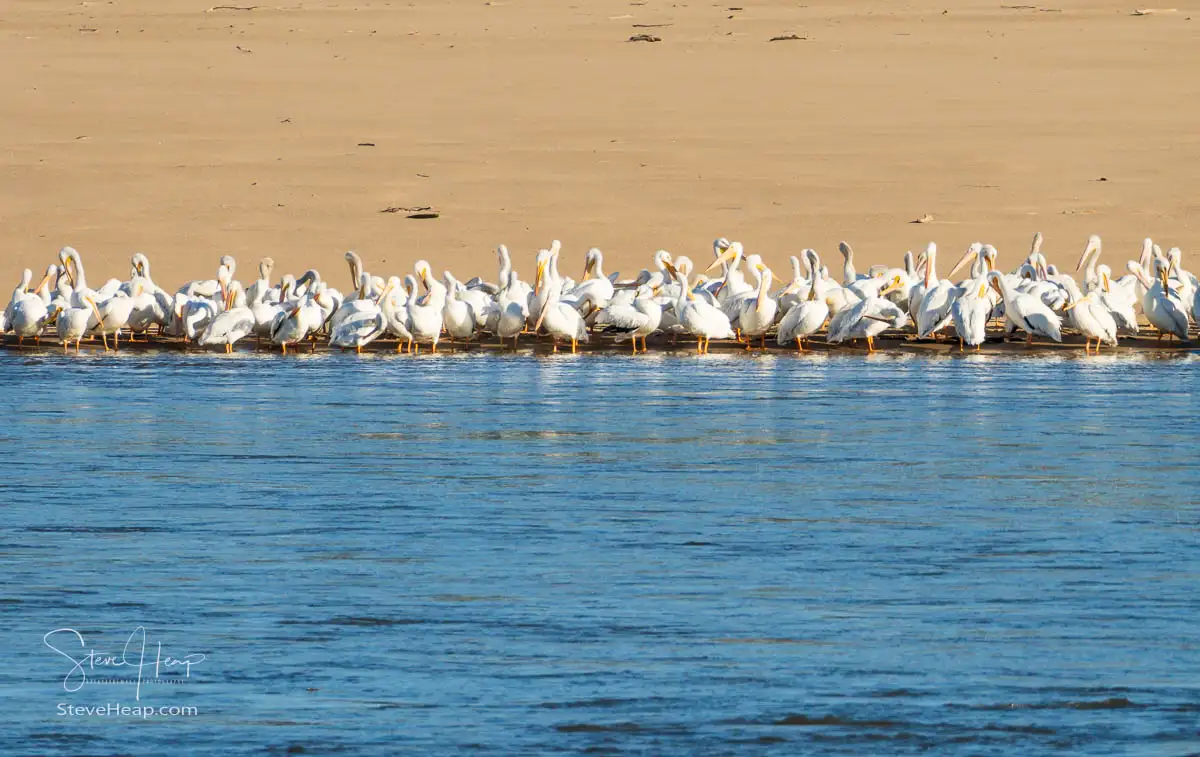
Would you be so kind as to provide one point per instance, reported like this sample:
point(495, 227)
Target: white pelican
point(757, 314)
point(733, 284)
point(970, 313)
point(260, 287)
point(395, 310)
point(870, 317)
point(29, 313)
point(805, 318)
point(72, 322)
point(235, 322)
point(1161, 306)
point(559, 318)
point(425, 314)
point(365, 324)
point(513, 308)
point(1092, 320)
point(849, 275)
point(637, 319)
point(459, 316)
point(933, 313)
point(595, 288)
point(916, 292)
point(1026, 311)
point(302, 321)
point(696, 316)
point(115, 312)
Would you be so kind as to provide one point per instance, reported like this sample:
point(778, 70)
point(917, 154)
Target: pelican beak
point(587, 268)
point(1072, 305)
point(1087, 250)
point(691, 295)
point(1105, 282)
point(541, 274)
point(671, 267)
point(654, 290)
point(384, 293)
point(896, 284)
point(725, 257)
point(970, 253)
point(96, 311)
point(982, 290)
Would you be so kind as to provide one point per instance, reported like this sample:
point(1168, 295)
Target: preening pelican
point(235, 322)
point(870, 317)
point(640, 318)
point(1161, 306)
point(72, 322)
point(559, 318)
point(425, 313)
point(1092, 320)
point(1026, 311)
point(757, 314)
point(696, 316)
point(807, 317)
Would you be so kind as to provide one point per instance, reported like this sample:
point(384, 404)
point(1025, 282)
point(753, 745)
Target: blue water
point(823, 554)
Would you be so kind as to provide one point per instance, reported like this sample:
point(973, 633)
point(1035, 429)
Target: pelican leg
point(515, 341)
point(700, 345)
point(556, 345)
point(635, 345)
point(312, 346)
point(37, 340)
point(77, 341)
point(871, 345)
point(977, 347)
point(358, 349)
point(435, 346)
point(799, 345)
point(284, 348)
point(1028, 338)
point(762, 343)
point(748, 345)
point(960, 344)
point(573, 343)
point(20, 341)
point(104, 336)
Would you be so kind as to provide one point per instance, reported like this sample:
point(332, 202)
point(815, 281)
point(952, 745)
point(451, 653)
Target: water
point(664, 555)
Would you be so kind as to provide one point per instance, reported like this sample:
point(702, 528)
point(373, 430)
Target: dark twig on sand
point(786, 37)
point(645, 38)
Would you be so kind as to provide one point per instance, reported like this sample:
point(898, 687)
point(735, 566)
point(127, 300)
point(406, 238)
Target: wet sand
point(188, 131)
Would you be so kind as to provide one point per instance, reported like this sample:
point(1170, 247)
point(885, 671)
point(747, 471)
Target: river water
point(669, 554)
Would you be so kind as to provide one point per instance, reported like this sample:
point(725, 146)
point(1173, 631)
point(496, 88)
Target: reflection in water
point(810, 553)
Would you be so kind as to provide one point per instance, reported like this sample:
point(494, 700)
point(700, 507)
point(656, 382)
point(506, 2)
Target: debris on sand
point(786, 37)
point(419, 212)
point(923, 219)
point(645, 38)
point(1151, 11)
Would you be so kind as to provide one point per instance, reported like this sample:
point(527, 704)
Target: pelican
point(72, 322)
point(1026, 311)
point(807, 317)
point(1092, 320)
point(425, 314)
point(460, 317)
point(259, 289)
point(560, 319)
point(849, 275)
point(1161, 306)
point(233, 323)
point(916, 293)
point(640, 318)
point(395, 310)
point(303, 320)
point(115, 312)
point(973, 305)
point(594, 289)
point(870, 317)
point(365, 324)
point(933, 314)
point(697, 316)
point(513, 308)
point(757, 314)
point(29, 312)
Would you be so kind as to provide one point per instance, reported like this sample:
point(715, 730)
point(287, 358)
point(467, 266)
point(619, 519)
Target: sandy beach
point(188, 131)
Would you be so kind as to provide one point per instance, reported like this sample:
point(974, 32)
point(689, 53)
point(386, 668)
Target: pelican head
point(424, 273)
point(974, 250)
point(897, 282)
point(1092, 246)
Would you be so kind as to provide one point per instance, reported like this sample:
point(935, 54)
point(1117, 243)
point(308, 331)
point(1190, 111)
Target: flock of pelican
point(735, 297)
